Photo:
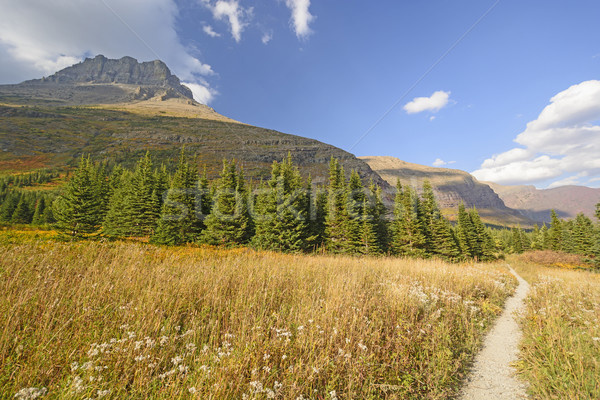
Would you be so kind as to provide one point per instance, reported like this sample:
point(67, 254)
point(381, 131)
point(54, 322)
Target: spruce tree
point(356, 207)
point(337, 219)
point(11, 200)
point(22, 213)
point(229, 222)
point(555, 233)
point(283, 205)
point(178, 222)
point(78, 209)
point(406, 235)
point(38, 214)
point(465, 233)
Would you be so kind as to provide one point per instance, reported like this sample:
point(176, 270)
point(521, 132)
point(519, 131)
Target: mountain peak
point(149, 78)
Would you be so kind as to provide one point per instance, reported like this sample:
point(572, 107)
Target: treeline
point(29, 179)
point(575, 236)
point(285, 213)
point(26, 207)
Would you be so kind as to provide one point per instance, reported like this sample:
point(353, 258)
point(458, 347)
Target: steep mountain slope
point(118, 109)
point(534, 203)
point(451, 187)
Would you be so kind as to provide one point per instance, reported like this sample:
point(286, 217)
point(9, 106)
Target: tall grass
point(560, 352)
point(131, 321)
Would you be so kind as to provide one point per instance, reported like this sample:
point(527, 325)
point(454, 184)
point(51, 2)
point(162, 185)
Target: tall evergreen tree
point(465, 233)
point(179, 222)
point(357, 209)
point(38, 214)
point(11, 200)
point(229, 222)
point(79, 208)
point(283, 205)
point(337, 219)
point(22, 213)
point(555, 233)
point(406, 234)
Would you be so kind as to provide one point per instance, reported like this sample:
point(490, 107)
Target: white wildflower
point(192, 390)
point(176, 360)
point(78, 385)
point(270, 393)
point(31, 393)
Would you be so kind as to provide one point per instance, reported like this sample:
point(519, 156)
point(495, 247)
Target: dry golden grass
point(560, 352)
point(131, 321)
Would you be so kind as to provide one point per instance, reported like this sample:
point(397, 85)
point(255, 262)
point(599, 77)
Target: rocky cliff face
point(100, 80)
point(451, 187)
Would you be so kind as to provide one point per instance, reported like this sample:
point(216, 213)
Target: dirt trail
point(492, 377)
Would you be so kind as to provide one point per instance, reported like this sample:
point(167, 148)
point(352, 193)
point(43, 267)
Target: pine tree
point(465, 233)
point(337, 219)
point(229, 222)
point(119, 220)
point(283, 205)
point(598, 211)
point(356, 213)
point(555, 233)
point(8, 206)
point(178, 222)
point(427, 213)
point(406, 234)
point(38, 214)
point(78, 210)
point(583, 235)
point(380, 212)
point(22, 213)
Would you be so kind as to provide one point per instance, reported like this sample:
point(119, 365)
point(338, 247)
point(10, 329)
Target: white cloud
point(436, 102)
point(432, 118)
point(440, 163)
point(563, 140)
point(210, 31)
point(230, 10)
point(38, 37)
point(202, 94)
point(267, 37)
point(301, 17)
point(571, 180)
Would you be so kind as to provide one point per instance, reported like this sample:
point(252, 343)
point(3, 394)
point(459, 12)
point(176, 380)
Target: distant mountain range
point(497, 204)
point(567, 201)
point(451, 187)
point(119, 109)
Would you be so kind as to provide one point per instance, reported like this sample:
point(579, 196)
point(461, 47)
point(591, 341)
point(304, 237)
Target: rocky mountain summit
point(101, 80)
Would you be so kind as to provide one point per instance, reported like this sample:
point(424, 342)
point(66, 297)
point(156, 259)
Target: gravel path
point(492, 376)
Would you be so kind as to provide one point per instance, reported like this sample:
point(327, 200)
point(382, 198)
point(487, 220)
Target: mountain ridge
point(451, 187)
point(567, 201)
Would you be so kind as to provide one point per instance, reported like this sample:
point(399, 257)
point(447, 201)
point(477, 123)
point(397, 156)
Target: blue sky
point(330, 70)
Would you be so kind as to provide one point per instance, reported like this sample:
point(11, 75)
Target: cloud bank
point(436, 102)
point(37, 38)
point(562, 146)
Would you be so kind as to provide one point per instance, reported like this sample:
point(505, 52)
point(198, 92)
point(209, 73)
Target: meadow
point(127, 320)
point(560, 351)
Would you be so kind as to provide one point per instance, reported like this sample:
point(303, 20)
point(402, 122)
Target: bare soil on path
point(492, 376)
